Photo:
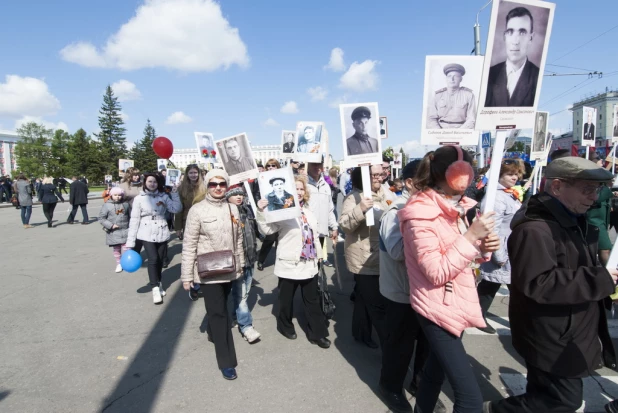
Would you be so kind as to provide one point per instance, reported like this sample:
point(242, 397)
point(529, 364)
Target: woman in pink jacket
point(441, 253)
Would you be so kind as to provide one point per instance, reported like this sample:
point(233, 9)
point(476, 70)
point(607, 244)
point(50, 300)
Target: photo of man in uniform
point(236, 163)
point(453, 107)
point(279, 198)
point(514, 81)
point(589, 127)
point(308, 142)
point(615, 134)
point(288, 146)
point(361, 143)
point(540, 134)
point(382, 128)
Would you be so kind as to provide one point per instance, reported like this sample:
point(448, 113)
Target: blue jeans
point(26, 211)
point(447, 357)
point(240, 292)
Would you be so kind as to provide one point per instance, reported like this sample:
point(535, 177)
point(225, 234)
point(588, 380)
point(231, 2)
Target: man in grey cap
point(454, 106)
point(361, 143)
point(559, 293)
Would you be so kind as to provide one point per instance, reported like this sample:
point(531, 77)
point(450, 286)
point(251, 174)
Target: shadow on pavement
point(4, 394)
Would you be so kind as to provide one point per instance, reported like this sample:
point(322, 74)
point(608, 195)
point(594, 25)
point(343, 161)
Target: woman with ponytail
point(442, 251)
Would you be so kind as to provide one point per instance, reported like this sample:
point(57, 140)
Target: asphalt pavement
point(77, 337)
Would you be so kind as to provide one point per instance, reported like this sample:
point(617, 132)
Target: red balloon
point(163, 147)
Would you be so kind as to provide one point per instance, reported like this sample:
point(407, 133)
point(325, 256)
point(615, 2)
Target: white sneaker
point(118, 268)
point(251, 335)
point(163, 293)
point(156, 295)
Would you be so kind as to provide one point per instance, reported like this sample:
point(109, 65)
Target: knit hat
point(116, 191)
point(235, 190)
point(217, 172)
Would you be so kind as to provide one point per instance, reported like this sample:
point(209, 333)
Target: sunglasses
point(271, 166)
point(509, 162)
point(214, 185)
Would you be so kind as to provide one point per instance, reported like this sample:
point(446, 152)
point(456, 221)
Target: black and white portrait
point(173, 177)
point(288, 141)
point(277, 186)
point(452, 85)
point(360, 127)
point(539, 136)
point(589, 125)
point(383, 127)
point(124, 164)
point(237, 159)
point(615, 125)
point(309, 137)
point(161, 164)
point(205, 146)
point(517, 48)
point(108, 179)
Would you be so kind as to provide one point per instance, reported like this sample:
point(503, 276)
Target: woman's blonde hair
point(48, 180)
point(273, 160)
point(129, 174)
point(301, 178)
point(190, 191)
point(333, 172)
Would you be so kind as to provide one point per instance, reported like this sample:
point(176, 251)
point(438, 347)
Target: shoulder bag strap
point(232, 223)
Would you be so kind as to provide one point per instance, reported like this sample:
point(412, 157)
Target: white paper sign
point(494, 170)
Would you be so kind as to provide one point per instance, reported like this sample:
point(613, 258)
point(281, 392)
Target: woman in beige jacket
point(362, 254)
point(296, 264)
point(212, 225)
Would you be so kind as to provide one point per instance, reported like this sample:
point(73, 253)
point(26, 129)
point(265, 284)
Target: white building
point(8, 164)
point(263, 153)
point(183, 157)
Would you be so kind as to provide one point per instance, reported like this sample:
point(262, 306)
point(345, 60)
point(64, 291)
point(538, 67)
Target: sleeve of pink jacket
point(438, 265)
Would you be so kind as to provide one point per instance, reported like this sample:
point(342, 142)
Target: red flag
point(574, 149)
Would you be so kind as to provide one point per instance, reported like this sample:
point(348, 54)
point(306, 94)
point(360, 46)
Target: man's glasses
point(377, 176)
point(214, 185)
point(588, 189)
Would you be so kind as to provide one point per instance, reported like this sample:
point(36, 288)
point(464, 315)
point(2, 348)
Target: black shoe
point(85, 223)
point(321, 342)
point(328, 264)
point(193, 294)
point(49, 225)
point(489, 329)
point(166, 263)
point(229, 373)
point(289, 336)
point(70, 222)
point(209, 338)
point(611, 407)
point(260, 266)
point(369, 343)
point(396, 402)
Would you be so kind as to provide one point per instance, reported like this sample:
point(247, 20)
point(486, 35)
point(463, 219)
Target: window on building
point(578, 122)
point(600, 116)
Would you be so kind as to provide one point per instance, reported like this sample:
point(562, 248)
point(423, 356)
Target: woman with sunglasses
point(213, 225)
point(149, 225)
point(190, 190)
point(362, 254)
point(296, 265)
point(269, 240)
point(497, 270)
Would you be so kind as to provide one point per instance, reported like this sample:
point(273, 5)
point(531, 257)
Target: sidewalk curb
point(9, 205)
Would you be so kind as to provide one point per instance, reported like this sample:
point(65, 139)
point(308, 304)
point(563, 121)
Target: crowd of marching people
point(424, 273)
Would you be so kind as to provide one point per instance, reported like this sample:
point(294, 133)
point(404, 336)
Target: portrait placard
point(288, 143)
point(615, 125)
point(397, 157)
point(383, 127)
point(161, 164)
point(205, 147)
point(589, 126)
point(277, 186)
point(452, 85)
point(124, 164)
point(235, 154)
point(360, 131)
point(517, 46)
point(173, 177)
point(539, 136)
point(310, 145)
point(108, 179)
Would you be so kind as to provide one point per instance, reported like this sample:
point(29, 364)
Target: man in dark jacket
point(78, 198)
point(556, 308)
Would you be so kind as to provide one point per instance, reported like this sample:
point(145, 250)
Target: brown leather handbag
point(213, 264)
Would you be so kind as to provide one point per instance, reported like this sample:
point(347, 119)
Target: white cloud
point(185, 35)
point(39, 120)
point(178, 117)
point(338, 101)
point(21, 96)
point(125, 90)
point(317, 93)
point(336, 63)
point(271, 122)
point(360, 77)
point(124, 116)
point(289, 107)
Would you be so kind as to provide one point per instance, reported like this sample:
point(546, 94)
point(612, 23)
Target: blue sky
point(231, 67)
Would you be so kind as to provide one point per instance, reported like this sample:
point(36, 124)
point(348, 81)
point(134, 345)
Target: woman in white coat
point(149, 225)
point(296, 264)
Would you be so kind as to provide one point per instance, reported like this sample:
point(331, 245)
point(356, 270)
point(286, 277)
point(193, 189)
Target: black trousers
point(369, 308)
point(313, 312)
point(48, 211)
point(5, 193)
point(138, 246)
point(487, 291)
point(63, 188)
point(267, 245)
point(544, 393)
point(74, 212)
point(403, 332)
point(155, 251)
point(218, 328)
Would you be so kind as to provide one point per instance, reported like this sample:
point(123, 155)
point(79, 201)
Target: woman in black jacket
point(47, 196)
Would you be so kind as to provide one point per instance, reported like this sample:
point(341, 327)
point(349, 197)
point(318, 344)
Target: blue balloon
point(130, 261)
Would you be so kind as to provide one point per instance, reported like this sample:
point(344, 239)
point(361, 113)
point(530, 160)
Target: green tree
point(143, 155)
point(32, 151)
point(84, 157)
point(57, 165)
point(388, 152)
point(112, 140)
point(517, 147)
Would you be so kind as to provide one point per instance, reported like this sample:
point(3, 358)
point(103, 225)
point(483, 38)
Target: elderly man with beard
point(361, 143)
point(559, 293)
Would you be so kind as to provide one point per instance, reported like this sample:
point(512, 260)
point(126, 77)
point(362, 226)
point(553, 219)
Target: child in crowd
point(115, 216)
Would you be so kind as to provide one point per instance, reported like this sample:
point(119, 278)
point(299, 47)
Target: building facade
point(263, 153)
point(604, 104)
point(8, 163)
